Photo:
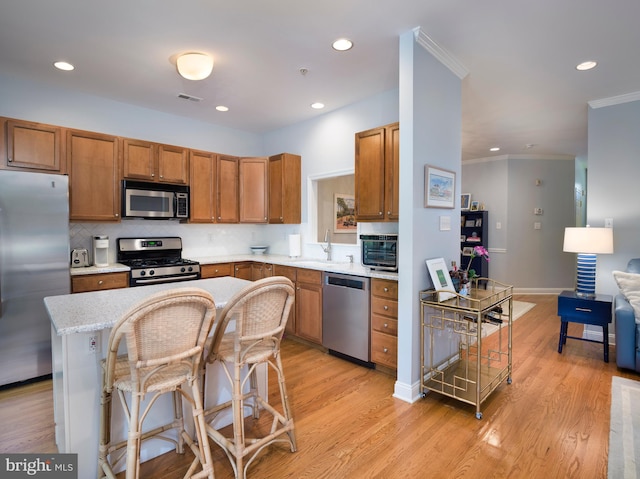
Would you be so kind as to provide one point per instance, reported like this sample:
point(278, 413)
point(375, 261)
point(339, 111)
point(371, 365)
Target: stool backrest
point(260, 312)
point(165, 329)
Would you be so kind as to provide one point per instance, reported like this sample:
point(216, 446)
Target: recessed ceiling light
point(222, 108)
point(588, 65)
point(495, 148)
point(342, 44)
point(65, 66)
point(317, 105)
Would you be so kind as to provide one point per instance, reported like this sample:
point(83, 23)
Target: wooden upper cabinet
point(202, 197)
point(376, 164)
point(147, 161)
point(94, 180)
point(392, 172)
point(285, 184)
point(32, 146)
point(227, 210)
point(173, 164)
point(138, 160)
point(253, 190)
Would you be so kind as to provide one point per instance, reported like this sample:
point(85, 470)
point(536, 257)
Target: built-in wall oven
point(380, 252)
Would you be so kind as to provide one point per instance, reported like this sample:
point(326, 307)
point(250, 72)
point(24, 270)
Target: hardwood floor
point(551, 422)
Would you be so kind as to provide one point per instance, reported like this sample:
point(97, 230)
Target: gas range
point(156, 260)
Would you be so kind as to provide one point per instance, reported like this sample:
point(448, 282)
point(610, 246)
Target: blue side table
point(578, 309)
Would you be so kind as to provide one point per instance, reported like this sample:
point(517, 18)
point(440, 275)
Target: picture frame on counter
point(439, 187)
point(440, 278)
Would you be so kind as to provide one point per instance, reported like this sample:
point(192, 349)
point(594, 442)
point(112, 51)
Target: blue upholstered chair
point(627, 328)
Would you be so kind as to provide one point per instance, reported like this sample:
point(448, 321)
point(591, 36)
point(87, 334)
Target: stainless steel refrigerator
point(34, 263)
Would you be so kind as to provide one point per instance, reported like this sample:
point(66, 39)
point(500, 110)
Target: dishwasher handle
point(351, 283)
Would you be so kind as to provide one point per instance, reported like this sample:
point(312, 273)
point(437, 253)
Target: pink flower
point(477, 251)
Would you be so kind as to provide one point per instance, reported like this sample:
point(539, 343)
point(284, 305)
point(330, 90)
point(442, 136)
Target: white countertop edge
point(299, 262)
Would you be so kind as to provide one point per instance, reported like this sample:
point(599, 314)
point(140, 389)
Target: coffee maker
point(101, 251)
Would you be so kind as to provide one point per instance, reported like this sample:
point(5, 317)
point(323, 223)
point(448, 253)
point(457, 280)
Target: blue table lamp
point(587, 242)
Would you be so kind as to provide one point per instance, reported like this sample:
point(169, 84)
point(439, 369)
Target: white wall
point(430, 133)
point(612, 185)
point(531, 260)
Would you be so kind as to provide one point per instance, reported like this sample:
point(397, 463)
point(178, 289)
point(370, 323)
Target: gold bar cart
point(457, 357)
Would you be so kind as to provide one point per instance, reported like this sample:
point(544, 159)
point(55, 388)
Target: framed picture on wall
point(439, 187)
point(344, 213)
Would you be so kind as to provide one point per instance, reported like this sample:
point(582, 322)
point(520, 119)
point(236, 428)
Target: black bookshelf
point(474, 231)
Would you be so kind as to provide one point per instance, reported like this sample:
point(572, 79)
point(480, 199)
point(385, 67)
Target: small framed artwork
point(478, 222)
point(467, 251)
point(465, 201)
point(440, 278)
point(469, 224)
point(344, 213)
point(475, 206)
point(439, 187)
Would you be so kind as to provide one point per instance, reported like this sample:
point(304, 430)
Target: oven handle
point(166, 280)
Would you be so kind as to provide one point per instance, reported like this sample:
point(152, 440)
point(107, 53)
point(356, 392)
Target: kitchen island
point(80, 328)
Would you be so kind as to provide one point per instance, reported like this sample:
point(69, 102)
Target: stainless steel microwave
point(154, 200)
point(380, 252)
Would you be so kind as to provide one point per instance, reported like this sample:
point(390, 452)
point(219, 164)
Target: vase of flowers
point(477, 251)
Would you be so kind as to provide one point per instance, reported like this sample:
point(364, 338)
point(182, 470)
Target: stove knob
point(142, 273)
point(152, 272)
point(182, 270)
point(190, 269)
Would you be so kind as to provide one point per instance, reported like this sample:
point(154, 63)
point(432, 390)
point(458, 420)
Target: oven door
point(148, 203)
point(380, 254)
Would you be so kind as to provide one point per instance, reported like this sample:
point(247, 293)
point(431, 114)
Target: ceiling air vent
point(184, 96)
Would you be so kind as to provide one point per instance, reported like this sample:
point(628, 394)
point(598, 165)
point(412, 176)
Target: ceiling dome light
point(222, 108)
point(65, 66)
point(317, 105)
point(342, 44)
point(588, 65)
point(194, 66)
point(495, 148)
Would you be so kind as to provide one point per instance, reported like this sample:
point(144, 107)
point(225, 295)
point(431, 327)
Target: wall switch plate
point(537, 225)
point(537, 211)
point(498, 225)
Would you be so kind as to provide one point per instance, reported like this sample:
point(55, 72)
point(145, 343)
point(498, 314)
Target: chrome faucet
point(327, 239)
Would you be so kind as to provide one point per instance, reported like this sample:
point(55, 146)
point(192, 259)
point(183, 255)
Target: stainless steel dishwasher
point(345, 317)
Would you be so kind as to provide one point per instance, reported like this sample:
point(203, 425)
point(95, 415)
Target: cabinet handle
point(386, 308)
point(386, 290)
point(218, 218)
point(100, 282)
point(585, 310)
point(386, 325)
point(380, 213)
point(152, 175)
point(389, 213)
point(385, 350)
point(10, 159)
point(281, 218)
point(117, 215)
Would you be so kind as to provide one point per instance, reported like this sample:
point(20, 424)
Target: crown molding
point(442, 55)
point(615, 100)
point(522, 156)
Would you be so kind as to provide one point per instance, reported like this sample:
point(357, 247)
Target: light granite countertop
point(98, 310)
point(310, 263)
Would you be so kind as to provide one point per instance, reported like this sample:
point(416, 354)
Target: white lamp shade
point(194, 66)
point(588, 240)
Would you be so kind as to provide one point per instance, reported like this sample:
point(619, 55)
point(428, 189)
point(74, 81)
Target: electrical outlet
point(93, 344)
point(537, 211)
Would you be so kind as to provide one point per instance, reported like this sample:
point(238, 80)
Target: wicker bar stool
point(260, 312)
point(165, 337)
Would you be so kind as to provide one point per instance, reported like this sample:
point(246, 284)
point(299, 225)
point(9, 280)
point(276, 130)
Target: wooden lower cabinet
point(309, 305)
point(99, 281)
point(216, 270)
point(243, 270)
point(384, 322)
point(291, 273)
